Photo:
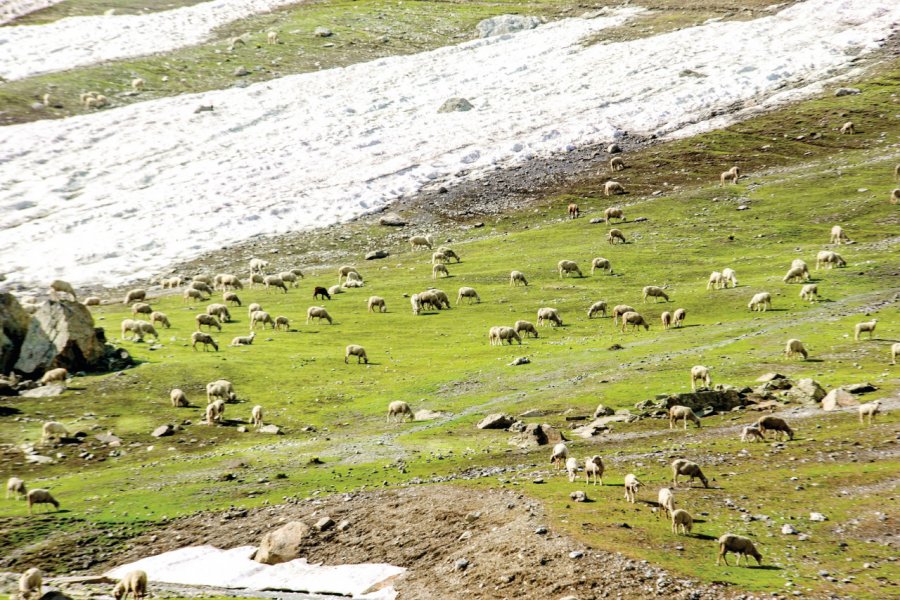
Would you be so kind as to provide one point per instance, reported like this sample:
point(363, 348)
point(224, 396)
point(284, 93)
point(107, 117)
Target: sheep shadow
point(703, 536)
point(814, 360)
point(686, 326)
point(6, 411)
point(764, 567)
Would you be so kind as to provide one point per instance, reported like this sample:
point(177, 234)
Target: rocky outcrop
point(720, 400)
point(13, 327)
point(61, 334)
point(537, 434)
point(283, 544)
point(456, 105)
point(838, 398)
point(806, 391)
point(504, 24)
point(496, 421)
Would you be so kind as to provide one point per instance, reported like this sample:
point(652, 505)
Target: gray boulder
point(45, 391)
point(391, 220)
point(14, 323)
point(537, 435)
point(283, 544)
point(376, 254)
point(61, 334)
point(807, 391)
point(496, 421)
point(603, 411)
point(838, 398)
point(455, 105)
point(503, 24)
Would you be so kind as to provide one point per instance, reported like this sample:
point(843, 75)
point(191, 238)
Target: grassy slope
point(443, 362)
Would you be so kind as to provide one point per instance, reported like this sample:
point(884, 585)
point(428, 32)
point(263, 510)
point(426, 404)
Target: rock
point(45, 391)
point(108, 439)
point(788, 529)
point(538, 412)
point(323, 32)
point(770, 377)
point(324, 524)
point(807, 391)
point(283, 544)
point(541, 530)
point(537, 435)
point(817, 517)
point(461, 564)
point(376, 254)
point(860, 388)
point(613, 149)
point(576, 554)
point(719, 400)
point(271, 429)
point(838, 398)
point(590, 430)
point(603, 411)
point(496, 421)
point(163, 431)
point(204, 108)
point(846, 91)
point(14, 323)
point(391, 220)
point(455, 105)
point(597, 220)
point(241, 71)
point(61, 334)
point(343, 525)
point(39, 459)
point(743, 207)
point(504, 24)
point(426, 415)
point(517, 427)
point(522, 360)
point(578, 496)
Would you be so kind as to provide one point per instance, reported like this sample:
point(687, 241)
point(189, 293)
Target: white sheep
point(220, 389)
point(572, 468)
point(635, 320)
point(253, 308)
point(178, 398)
point(666, 319)
point(613, 187)
point(134, 583)
point(829, 259)
point(597, 307)
point(243, 340)
point(810, 292)
point(525, 328)
point(517, 277)
point(172, 282)
point(271, 281)
point(129, 325)
point(40, 496)
point(564, 267)
point(58, 286)
point(272, 37)
point(619, 310)
point(895, 352)
point(870, 409)
point(416, 303)
point(53, 430)
point(161, 318)
point(848, 128)
point(796, 274)
point(652, 291)
point(352, 283)
point(730, 276)
point(614, 212)
point(358, 351)
point(256, 416)
point(258, 265)
point(682, 466)
point(215, 411)
point(615, 234)
point(92, 301)
point(616, 164)
point(682, 413)
point(729, 175)
point(739, 545)
point(15, 487)
point(448, 253)
point(593, 468)
point(666, 501)
point(198, 337)
point(345, 271)
point(226, 281)
point(335, 290)
point(220, 311)
point(863, 327)
point(684, 519)
point(142, 328)
point(204, 279)
point(398, 409)
point(602, 264)
point(289, 278)
point(550, 315)
point(838, 235)
point(57, 375)
point(752, 432)
point(192, 294)
point(262, 317)
point(467, 292)
point(255, 278)
point(508, 334)
point(318, 312)
point(282, 322)
point(137, 84)
point(559, 454)
point(439, 269)
point(439, 257)
point(141, 308)
point(716, 280)
point(31, 582)
point(135, 295)
point(795, 346)
point(700, 373)
point(761, 301)
point(678, 317)
point(631, 487)
point(209, 320)
point(418, 241)
point(232, 298)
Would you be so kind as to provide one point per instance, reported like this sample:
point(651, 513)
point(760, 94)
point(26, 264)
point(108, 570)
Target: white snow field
point(11, 10)
point(30, 50)
point(123, 194)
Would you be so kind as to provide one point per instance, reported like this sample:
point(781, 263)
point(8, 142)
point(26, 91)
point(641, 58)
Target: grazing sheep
point(234, 42)
point(335, 290)
point(318, 312)
point(258, 265)
point(572, 468)
point(682, 413)
point(549, 314)
point(95, 100)
point(92, 301)
point(220, 389)
point(615, 234)
point(376, 302)
point(15, 487)
point(684, 519)
point(716, 280)
point(739, 545)
point(129, 325)
point(602, 264)
point(57, 375)
point(678, 317)
point(288, 278)
point(263, 317)
point(810, 292)
point(204, 279)
point(682, 466)
point(142, 328)
point(467, 292)
point(597, 307)
point(593, 467)
point(761, 301)
point(494, 335)
point(418, 241)
point(564, 267)
point(829, 259)
point(799, 263)
point(225, 281)
point(775, 424)
point(507, 334)
point(253, 308)
point(616, 164)
point(161, 318)
point(276, 282)
point(517, 277)
point(208, 320)
point(135, 296)
point(573, 210)
point(795, 346)
point(282, 322)
point(178, 398)
point(134, 583)
point(243, 340)
point(438, 257)
point(439, 269)
point(870, 409)
point(256, 416)
point(398, 409)
point(416, 303)
point(58, 286)
point(172, 282)
point(752, 432)
point(631, 487)
point(560, 453)
point(30, 582)
point(320, 293)
point(140, 308)
point(848, 128)
point(255, 278)
point(666, 501)
point(40, 496)
point(192, 294)
point(652, 291)
point(345, 272)
point(863, 327)
point(232, 298)
point(613, 187)
point(796, 274)
point(895, 352)
point(198, 337)
point(525, 328)
point(838, 235)
point(298, 273)
point(358, 351)
point(635, 320)
point(447, 252)
point(730, 275)
point(666, 318)
point(53, 430)
point(137, 84)
point(272, 37)
point(729, 175)
point(220, 311)
point(614, 212)
point(700, 373)
point(428, 299)
point(619, 310)
point(214, 412)
point(443, 300)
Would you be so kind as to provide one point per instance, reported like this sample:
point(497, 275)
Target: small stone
point(578, 496)
point(788, 529)
point(241, 71)
point(846, 91)
point(461, 564)
point(324, 524)
point(743, 207)
point(323, 32)
point(613, 149)
point(391, 220)
point(465, 535)
point(163, 431)
point(538, 480)
point(455, 105)
point(818, 517)
point(541, 530)
point(271, 429)
point(376, 254)
point(343, 525)
point(472, 517)
point(576, 554)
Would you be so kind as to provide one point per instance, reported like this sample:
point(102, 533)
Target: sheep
point(320, 293)
point(775, 424)
point(730, 275)
point(258, 265)
point(573, 210)
point(593, 467)
point(335, 289)
point(220, 311)
point(134, 583)
point(15, 487)
point(142, 328)
point(897, 173)
point(137, 84)
point(467, 292)
point(602, 264)
point(135, 295)
point(652, 291)
point(895, 352)
point(869, 409)
point(564, 267)
point(272, 37)
point(799, 263)
point(635, 320)
point(686, 467)
point(666, 318)
point(895, 196)
point(141, 308)
point(40, 496)
point(253, 308)
point(729, 175)
point(214, 412)
point(631, 487)
point(739, 545)
point(178, 398)
point(700, 373)
point(243, 340)
point(209, 320)
point(716, 280)
point(559, 454)
point(417, 241)
point(525, 327)
point(232, 298)
point(345, 271)
point(438, 257)
point(666, 501)
point(129, 325)
point(796, 274)
point(192, 294)
point(96, 101)
point(398, 409)
point(614, 212)
point(507, 334)
point(678, 317)
point(684, 519)
point(220, 389)
point(282, 322)
point(549, 314)
point(318, 312)
point(416, 303)
point(448, 252)
point(761, 301)
point(682, 413)
point(615, 234)
point(263, 317)
point(256, 416)
point(838, 235)
point(597, 307)
point(57, 375)
point(352, 283)
point(198, 337)
point(161, 318)
point(255, 278)
point(810, 292)
point(439, 269)
point(58, 286)
point(829, 259)
point(517, 277)
point(274, 281)
point(53, 430)
point(92, 301)
point(171, 282)
point(358, 351)
point(572, 468)
point(612, 187)
point(848, 128)
point(616, 164)
point(494, 335)
point(751, 432)
point(204, 279)
point(225, 281)
point(30, 582)
point(795, 346)
point(439, 298)
point(619, 310)
point(863, 327)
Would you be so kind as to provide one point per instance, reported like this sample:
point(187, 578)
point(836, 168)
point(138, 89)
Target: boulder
point(45, 391)
point(376, 254)
point(590, 430)
point(455, 105)
point(860, 388)
point(270, 429)
point(323, 32)
point(770, 377)
point(537, 435)
point(61, 334)
point(391, 220)
point(283, 544)
point(496, 421)
point(838, 398)
point(807, 391)
point(324, 524)
point(14, 322)
point(603, 411)
point(426, 415)
point(503, 24)
point(846, 91)
point(578, 496)
point(163, 431)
